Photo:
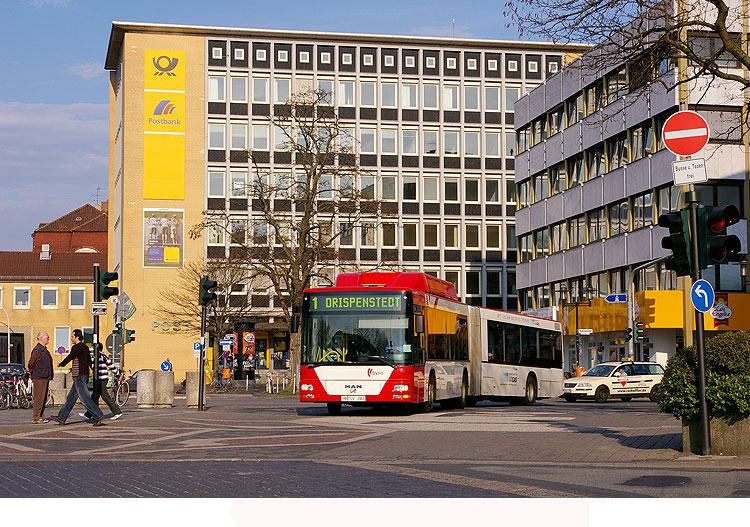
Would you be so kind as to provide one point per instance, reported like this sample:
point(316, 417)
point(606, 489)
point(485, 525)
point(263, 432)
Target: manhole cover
point(658, 481)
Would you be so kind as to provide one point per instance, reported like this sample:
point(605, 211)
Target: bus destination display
point(357, 302)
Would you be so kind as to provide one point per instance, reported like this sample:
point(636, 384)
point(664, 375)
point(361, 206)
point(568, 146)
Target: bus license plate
point(352, 398)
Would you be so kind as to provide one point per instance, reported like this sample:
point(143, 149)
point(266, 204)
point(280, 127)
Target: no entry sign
point(685, 133)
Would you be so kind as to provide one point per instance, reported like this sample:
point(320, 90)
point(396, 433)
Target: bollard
point(164, 393)
point(146, 388)
point(57, 387)
point(192, 378)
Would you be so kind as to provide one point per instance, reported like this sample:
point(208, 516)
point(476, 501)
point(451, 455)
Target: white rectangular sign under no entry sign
point(689, 171)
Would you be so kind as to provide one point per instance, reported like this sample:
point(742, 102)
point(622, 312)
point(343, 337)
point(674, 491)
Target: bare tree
point(305, 215)
point(178, 300)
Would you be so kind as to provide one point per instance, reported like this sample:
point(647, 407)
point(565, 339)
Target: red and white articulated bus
point(377, 339)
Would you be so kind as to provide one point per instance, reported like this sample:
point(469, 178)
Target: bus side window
point(512, 344)
point(495, 351)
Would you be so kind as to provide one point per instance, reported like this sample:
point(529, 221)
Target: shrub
point(727, 379)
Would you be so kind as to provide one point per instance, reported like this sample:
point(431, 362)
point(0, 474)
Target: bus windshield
point(356, 328)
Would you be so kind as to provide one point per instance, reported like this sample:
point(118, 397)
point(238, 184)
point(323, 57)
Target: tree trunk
point(295, 340)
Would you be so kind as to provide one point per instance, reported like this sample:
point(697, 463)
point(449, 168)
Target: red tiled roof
point(17, 266)
point(86, 218)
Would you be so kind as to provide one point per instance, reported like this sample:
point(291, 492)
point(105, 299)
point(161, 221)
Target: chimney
point(45, 254)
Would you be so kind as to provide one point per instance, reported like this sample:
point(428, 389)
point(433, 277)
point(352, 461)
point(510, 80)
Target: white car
point(615, 379)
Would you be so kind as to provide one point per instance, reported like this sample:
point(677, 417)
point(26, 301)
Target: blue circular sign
point(165, 366)
point(702, 295)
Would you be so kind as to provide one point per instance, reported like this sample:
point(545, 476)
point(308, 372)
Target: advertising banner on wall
point(164, 125)
point(163, 234)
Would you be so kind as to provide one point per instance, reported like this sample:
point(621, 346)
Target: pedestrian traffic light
point(206, 295)
point(678, 241)
point(128, 335)
point(106, 289)
point(638, 331)
point(628, 334)
point(118, 329)
point(718, 247)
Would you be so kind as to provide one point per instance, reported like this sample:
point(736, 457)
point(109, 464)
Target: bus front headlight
point(306, 387)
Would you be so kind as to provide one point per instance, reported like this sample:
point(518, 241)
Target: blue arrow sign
point(225, 342)
point(165, 366)
point(702, 296)
point(615, 299)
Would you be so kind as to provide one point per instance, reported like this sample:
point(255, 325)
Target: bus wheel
point(334, 408)
point(431, 393)
point(461, 401)
point(529, 396)
point(602, 394)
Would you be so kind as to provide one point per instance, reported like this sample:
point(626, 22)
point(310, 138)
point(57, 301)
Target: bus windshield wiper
point(383, 360)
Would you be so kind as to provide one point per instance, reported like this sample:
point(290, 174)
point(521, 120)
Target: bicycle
point(226, 385)
point(120, 388)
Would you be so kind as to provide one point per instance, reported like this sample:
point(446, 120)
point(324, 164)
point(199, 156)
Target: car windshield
point(602, 370)
point(11, 369)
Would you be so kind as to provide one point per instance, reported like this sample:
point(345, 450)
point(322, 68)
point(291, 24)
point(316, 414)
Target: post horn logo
point(171, 64)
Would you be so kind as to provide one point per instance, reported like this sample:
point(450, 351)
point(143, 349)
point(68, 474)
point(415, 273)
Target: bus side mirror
point(294, 324)
point(419, 324)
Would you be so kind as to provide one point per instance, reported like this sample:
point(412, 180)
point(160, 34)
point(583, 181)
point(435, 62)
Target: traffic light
point(638, 331)
point(118, 329)
point(206, 295)
point(628, 334)
point(678, 241)
point(718, 247)
point(105, 289)
point(128, 335)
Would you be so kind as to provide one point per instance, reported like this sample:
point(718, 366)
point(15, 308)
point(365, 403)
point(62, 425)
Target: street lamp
point(7, 319)
point(588, 293)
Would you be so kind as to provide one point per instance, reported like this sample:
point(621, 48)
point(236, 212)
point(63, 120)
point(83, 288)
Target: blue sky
point(53, 87)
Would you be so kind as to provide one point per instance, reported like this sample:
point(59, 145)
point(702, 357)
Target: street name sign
point(615, 299)
point(689, 171)
point(98, 309)
point(685, 133)
point(702, 295)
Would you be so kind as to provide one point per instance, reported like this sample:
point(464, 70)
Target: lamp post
point(7, 319)
point(588, 293)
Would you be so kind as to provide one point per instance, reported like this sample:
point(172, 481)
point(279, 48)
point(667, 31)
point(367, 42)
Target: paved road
point(262, 446)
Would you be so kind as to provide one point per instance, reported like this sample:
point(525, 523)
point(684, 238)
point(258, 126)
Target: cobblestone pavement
point(261, 446)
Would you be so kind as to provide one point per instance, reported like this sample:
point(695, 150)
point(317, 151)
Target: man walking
point(40, 367)
point(105, 363)
point(79, 354)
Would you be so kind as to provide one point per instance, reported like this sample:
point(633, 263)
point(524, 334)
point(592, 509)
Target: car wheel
point(602, 394)
point(653, 396)
point(334, 408)
point(626, 399)
point(529, 396)
point(570, 398)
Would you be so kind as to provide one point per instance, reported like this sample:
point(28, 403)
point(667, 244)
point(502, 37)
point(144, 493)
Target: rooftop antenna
point(97, 194)
point(454, 28)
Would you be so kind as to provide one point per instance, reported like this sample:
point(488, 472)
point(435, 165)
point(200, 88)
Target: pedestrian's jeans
point(79, 390)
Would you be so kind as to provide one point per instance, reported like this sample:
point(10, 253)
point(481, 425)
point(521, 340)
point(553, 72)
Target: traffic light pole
point(202, 360)
point(631, 300)
point(692, 198)
point(97, 298)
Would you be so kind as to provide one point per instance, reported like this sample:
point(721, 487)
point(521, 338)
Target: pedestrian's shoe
point(83, 414)
point(36, 421)
point(115, 417)
point(99, 422)
point(57, 420)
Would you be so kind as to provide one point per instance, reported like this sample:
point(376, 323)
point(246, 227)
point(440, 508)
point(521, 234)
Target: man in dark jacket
point(79, 354)
point(40, 368)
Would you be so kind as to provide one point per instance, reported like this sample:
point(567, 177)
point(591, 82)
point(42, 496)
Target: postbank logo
point(162, 114)
point(165, 64)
